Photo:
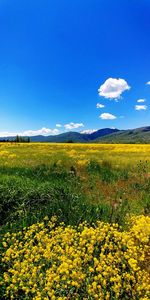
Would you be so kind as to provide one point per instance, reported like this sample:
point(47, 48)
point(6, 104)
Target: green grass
point(75, 182)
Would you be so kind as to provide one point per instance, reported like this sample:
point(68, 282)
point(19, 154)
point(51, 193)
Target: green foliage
point(21, 139)
point(104, 170)
point(40, 179)
point(28, 194)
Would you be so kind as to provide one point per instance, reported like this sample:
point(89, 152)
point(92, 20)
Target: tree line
point(17, 139)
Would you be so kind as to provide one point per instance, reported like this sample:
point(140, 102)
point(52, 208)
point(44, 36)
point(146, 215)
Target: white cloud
point(99, 105)
point(140, 107)
point(88, 131)
point(58, 125)
point(141, 100)
point(148, 82)
point(107, 116)
point(6, 133)
point(42, 131)
point(72, 125)
point(112, 88)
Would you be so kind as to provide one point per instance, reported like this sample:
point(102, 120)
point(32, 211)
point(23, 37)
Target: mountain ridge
point(104, 135)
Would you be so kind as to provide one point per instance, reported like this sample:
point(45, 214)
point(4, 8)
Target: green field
point(35, 177)
point(73, 183)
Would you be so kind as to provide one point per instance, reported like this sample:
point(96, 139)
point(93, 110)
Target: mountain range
point(105, 135)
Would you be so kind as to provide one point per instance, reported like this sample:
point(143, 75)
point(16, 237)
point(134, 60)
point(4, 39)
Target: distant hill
point(61, 138)
point(75, 137)
point(100, 133)
point(105, 135)
point(137, 136)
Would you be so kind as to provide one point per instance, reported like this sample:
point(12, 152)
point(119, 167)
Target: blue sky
point(55, 55)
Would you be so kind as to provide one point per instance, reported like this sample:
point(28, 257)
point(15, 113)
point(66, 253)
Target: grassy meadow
point(74, 221)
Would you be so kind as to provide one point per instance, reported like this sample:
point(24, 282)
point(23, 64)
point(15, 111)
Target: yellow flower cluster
point(46, 261)
point(33, 154)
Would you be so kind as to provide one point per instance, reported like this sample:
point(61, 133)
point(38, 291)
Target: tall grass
point(28, 194)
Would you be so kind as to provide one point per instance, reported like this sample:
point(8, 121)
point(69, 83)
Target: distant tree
point(21, 139)
point(17, 139)
point(70, 141)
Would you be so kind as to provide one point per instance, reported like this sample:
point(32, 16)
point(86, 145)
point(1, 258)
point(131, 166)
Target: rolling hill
point(105, 135)
point(138, 135)
point(74, 136)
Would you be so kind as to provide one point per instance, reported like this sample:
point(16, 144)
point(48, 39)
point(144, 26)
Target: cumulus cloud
point(148, 82)
point(141, 100)
point(107, 116)
point(58, 125)
point(72, 125)
point(42, 131)
point(140, 107)
point(99, 105)
point(112, 88)
point(7, 133)
point(88, 131)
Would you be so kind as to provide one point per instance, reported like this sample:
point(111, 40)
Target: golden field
point(37, 153)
